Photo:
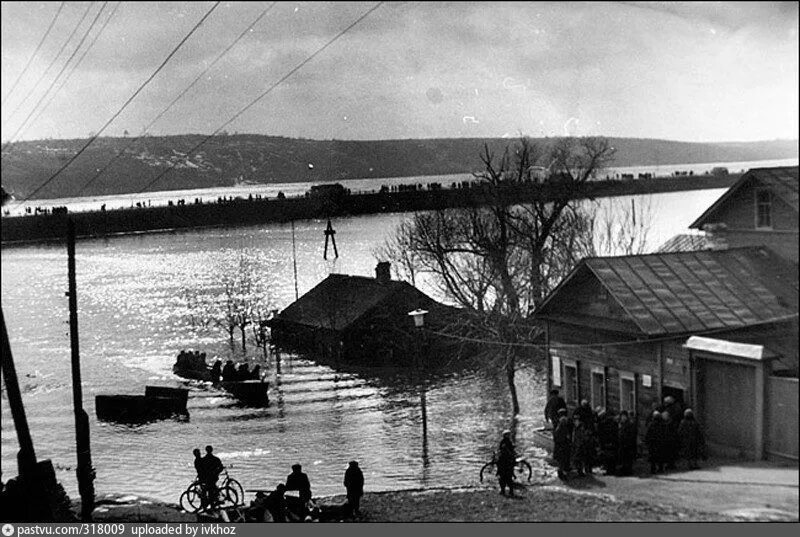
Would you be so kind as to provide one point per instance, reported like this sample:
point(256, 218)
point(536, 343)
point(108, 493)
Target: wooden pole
point(294, 261)
point(85, 472)
point(26, 458)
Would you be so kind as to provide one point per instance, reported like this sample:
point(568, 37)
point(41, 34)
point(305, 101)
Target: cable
point(36, 107)
point(52, 63)
point(35, 52)
point(267, 92)
point(124, 106)
point(175, 100)
point(604, 344)
point(76, 64)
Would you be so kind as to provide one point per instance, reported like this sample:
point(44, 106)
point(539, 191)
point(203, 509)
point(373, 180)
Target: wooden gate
point(782, 417)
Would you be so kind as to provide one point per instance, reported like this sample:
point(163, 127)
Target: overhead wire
point(176, 99)
point(52, 63)
point(269, 90)
point(35, 52)
point(27, 123)
point(124, 106)
point(76, 64)
point(621, 343)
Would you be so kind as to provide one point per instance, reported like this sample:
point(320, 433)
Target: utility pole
point(85, 472)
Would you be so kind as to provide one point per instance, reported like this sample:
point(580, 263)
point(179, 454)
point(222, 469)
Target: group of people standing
point(282, 508)
point(599, 438)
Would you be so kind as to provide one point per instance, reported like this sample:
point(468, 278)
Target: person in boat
point(181, 361)
point(244, 372)
point(216, 371)
point(229, 371)
point(255, 373)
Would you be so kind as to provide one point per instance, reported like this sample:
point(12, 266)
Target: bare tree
point(621, 226)
point(500, 258)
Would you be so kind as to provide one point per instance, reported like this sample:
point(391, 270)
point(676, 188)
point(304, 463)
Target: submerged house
point(716, 329)
point(360, 319)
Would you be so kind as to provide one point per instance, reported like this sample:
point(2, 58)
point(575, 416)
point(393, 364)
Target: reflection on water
point(132, 324)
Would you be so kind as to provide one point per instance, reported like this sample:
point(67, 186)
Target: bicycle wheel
point(235, 485)
point(191, 500)
point(491, 467)
point(228, 497)
point(523, 468)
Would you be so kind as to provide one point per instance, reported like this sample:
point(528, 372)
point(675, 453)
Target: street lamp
point(419, 317)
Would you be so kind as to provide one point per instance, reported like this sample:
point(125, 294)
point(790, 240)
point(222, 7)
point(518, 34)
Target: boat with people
point(245, 384)
point(158, 402)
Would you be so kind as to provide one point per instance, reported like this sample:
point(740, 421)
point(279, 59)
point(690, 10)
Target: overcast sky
point(707, 72)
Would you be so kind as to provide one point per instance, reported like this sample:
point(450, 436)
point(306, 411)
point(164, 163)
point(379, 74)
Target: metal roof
point(685, 243)
point(339, 300)
point(783, 181)
point(685, 292)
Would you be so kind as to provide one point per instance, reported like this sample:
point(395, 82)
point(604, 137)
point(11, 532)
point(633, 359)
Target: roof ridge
point(650, 254)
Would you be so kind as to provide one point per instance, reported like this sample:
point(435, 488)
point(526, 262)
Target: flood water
point(133, 323)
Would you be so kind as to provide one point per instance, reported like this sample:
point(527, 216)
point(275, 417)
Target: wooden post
point(84, 471)
point(26, 458)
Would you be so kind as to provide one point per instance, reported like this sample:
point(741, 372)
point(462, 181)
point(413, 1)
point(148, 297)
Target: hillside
point(226, 160)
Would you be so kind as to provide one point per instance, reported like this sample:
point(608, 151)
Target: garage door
point(726, 394)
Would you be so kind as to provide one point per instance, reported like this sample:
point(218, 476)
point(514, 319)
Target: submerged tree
point(499, 259)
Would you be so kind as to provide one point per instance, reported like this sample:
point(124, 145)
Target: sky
point(669, 70)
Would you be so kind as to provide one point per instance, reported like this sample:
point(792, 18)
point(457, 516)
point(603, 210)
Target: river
point(132, 325)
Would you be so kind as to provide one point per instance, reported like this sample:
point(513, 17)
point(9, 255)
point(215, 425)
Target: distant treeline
point(227, 160)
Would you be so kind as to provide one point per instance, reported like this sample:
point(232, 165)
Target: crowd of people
point(276, 504)
point(588, 439)
point(229, 372)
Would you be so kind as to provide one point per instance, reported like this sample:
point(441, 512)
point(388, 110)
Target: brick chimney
point(383, 272)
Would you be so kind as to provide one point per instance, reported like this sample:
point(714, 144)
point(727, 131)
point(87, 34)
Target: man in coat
point(626, 444)
point(582, 446)
point(654, 438)
point(354, 483)
point(608, 438)
point(506, 460)
point(554, 404)
point(562, 444)
point(693, 443)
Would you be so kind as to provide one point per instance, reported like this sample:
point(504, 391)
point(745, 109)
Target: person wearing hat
point(298, 480)
point(655, 439)
point(354, 483)
point(506, 461)
point(562, 443)
point(626, 443)
point(693, 443)
point(554, 404)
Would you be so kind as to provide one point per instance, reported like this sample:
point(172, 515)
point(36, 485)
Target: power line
point(35, 52)
point(124, 106)
point(176, 99)
point(36, 107)
point(622, 343)
point(52, 63)
point(76, 64)
point(267, 91)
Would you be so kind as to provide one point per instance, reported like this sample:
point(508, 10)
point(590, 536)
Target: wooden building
point(619, 333)
point(760, 209)
point(361, 319)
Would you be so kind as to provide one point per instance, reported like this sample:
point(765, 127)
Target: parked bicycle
point(195, 499)
point(522, 468)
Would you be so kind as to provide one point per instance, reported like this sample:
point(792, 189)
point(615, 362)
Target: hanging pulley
point(330, 234)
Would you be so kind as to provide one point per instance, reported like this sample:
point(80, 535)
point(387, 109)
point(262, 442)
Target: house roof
point(783, 181)
point(690, 292)
point(685, 243)
point(340, 300)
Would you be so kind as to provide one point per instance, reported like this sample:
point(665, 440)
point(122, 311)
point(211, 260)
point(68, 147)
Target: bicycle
point(521, 468)
point(195, 498)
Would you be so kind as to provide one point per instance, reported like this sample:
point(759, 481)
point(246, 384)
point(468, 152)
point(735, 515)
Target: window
point(627, 392)
point(571, 383)
point(763, 209)
point(598, 387)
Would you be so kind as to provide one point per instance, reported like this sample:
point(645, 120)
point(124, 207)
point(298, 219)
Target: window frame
point(574, 386)
point(626, 376)
point(602, 372)
point(768, 204)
